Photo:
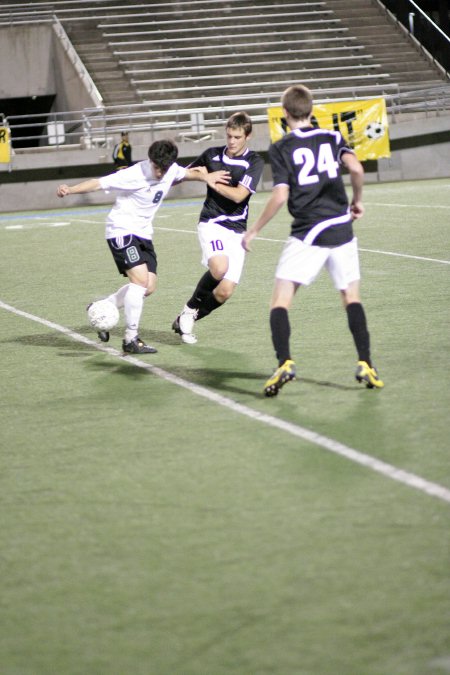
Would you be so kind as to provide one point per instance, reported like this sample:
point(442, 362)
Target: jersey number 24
point(311, 165)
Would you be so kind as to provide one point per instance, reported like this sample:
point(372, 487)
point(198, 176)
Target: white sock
point(118, 298)
point(133, 304)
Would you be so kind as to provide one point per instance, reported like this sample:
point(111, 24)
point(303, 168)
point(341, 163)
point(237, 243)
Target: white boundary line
point(405, 255)
point(388, 470)
point(407, 206)
point(366, 250)
point(275, 241)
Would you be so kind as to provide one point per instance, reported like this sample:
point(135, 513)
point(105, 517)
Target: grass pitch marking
point(388, 470)
point(365, 250)
point(43, 223)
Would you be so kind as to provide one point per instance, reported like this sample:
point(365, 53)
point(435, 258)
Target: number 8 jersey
point(308, 161)
point(139, 195)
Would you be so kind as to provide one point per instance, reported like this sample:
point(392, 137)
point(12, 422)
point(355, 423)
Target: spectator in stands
point(141, 189)
point(223, 220)
point(305, 166)
point(122, 152)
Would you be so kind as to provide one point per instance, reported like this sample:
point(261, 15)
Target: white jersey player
point(140, 190)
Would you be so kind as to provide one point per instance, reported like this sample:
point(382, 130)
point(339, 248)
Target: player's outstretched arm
point(278, 198)
point(201, 173)
point(91, 185)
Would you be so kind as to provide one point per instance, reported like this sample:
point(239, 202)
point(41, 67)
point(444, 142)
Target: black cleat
point(176, 326)
point(103, 335)
point(137, 346)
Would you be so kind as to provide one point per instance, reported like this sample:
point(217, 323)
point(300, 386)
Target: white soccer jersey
point(140, 195)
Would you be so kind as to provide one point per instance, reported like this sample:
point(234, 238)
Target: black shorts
point(130, 251)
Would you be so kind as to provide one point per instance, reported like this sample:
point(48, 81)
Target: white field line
point(405, 255)
point(388, 470)
point(407, 206)
point(366, 250)
point(256, 200)
point(276, 241)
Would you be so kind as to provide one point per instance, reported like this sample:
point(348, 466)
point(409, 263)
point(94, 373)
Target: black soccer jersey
point(246, 170)
point(307, 160)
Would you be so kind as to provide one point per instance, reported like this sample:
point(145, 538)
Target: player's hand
point(63, 190)
point(247, 240)
point(222, 177)
point(357, 210)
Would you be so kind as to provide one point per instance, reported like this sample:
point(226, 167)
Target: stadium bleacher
point(179, 68)
point(173, 60)
point(204, 48)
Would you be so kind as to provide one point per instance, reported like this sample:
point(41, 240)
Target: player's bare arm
point(91, 185)
point(236, 194)
point(201, 173)
point(278, 198)
point(356, 171)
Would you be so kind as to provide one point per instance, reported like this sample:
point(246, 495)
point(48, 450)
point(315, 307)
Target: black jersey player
point(306, 174)
point(222, 223)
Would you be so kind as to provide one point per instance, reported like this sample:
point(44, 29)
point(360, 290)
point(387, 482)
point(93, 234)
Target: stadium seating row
point(204, 54)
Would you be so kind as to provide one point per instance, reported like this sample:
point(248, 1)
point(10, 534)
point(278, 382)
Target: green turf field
point(161, 517)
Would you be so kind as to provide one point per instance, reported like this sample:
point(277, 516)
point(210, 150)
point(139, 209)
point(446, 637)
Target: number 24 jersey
point(308, 161)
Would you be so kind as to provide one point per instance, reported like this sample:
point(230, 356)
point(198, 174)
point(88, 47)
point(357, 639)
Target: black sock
point(209, 304)
point(281, 331)
point(204, 288)
point(358, 327)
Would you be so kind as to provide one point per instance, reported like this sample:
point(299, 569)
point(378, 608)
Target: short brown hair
point(297, 100)
point(240, 120)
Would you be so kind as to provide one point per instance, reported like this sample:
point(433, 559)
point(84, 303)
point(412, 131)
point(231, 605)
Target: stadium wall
point(26, 72)
point(48, 66)
point(420, 150)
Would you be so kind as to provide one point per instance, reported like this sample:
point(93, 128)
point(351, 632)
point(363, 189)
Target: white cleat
point(188, 338)
point(184, 323)
point(187, 320)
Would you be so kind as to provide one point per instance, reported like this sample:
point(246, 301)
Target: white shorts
point(301, 263)
point(217, 240)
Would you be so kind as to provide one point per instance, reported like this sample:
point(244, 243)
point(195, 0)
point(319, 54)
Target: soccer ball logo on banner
point(374, 130)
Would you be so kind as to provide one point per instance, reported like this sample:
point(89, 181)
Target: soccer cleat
point(184, 324)
point(188, 338)
point(187, 319)
point(369, 375)
point(137, 346)
point(176, 326)
point(285, 373)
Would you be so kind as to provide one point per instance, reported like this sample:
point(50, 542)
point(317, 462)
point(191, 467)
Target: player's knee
point(222, 295)
point(350, 295)
point(224, 290)
point(151, 287)
point(218, 267)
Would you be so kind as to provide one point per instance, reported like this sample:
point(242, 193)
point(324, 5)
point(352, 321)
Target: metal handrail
point(429, 37)
point(92, 127)
point(430, 21)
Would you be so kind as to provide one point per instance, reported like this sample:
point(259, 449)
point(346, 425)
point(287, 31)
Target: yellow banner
point(5, 146)
point(363, 124)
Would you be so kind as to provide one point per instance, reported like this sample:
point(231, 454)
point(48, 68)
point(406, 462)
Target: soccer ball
point(374, 130)
point(103, 315)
